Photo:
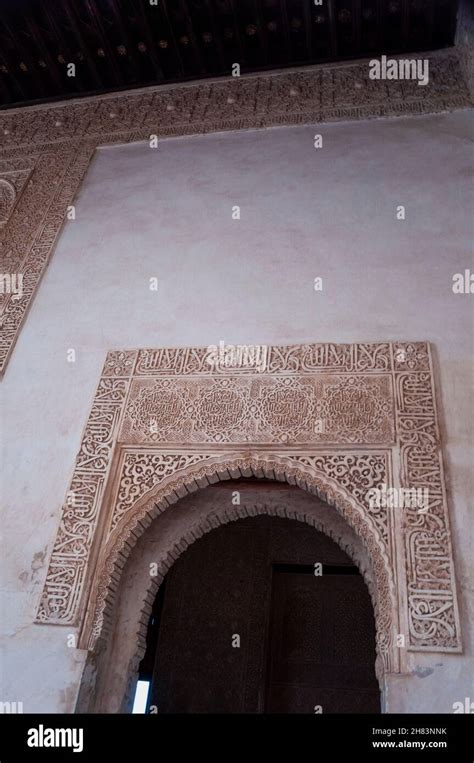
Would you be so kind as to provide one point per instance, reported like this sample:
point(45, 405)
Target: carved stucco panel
point(32, 227)
point(324, 408)
point(126, 477)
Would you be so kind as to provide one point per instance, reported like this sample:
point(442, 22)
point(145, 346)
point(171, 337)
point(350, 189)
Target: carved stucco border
point(56, 141)
point(414, 570)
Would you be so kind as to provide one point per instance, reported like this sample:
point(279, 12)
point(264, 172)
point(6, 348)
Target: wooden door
point(321, 653)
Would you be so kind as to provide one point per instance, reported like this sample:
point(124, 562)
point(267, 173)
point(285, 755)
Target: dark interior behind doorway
point(243, 625)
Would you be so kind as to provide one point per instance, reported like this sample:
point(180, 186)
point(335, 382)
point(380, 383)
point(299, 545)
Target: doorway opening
point(262, 615)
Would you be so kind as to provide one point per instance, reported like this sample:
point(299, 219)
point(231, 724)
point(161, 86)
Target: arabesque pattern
point(125, 475)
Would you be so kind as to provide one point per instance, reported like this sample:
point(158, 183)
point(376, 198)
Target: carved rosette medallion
point(221, 409)
point(157, 411)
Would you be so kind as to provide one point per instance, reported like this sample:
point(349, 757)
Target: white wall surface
point(166, 212)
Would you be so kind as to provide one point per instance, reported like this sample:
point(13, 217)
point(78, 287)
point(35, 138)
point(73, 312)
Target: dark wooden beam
point(44, 52)
point(430, 24)
point(332, 27)
point(50, 20)
point(380, 25)
point(151, 45)
point(25, 55)
point(104, 40)
point(262, 32)
point(405, 22)
point(356, 25)
point(308, 27)
point(240, 41)
point(114, 9)
point(75, 29)
point(172, 37)
point(34, 30)
point(5, 93)
point(216, 33)
point(286, 28)
point(12, 77)
point(190, 30)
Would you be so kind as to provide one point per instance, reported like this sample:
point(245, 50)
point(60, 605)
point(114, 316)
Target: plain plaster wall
point(305, 212)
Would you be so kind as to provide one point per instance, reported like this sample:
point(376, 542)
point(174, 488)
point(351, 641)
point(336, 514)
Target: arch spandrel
point(337, 420)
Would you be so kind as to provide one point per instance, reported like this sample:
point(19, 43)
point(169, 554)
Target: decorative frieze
point(28, 236)
point(432, 609)
point(325, 408)
point(70, 555)
point(313, 94)
point(292, 359)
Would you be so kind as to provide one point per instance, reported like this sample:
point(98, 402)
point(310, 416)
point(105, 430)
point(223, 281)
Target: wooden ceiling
point(119, 44)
